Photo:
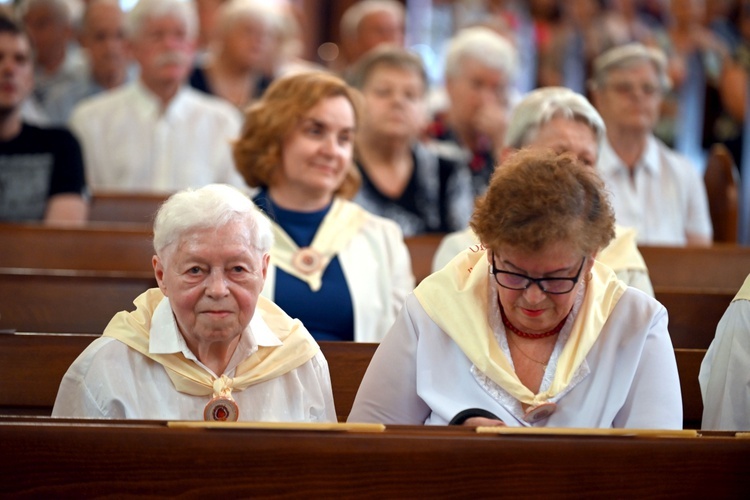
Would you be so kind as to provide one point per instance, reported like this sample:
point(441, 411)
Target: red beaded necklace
point(534, 336)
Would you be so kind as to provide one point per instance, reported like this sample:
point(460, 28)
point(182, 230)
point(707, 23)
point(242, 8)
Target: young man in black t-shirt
point(41, 170)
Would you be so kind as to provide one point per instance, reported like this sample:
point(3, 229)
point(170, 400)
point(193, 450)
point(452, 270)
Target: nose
point(216, 285)
point(329, 145)
point(534, 294)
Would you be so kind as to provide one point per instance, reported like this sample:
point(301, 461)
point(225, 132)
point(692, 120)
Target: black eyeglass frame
point(538, 281)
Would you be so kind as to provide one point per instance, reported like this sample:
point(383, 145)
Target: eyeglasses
point(515, 281)
point(623, 88)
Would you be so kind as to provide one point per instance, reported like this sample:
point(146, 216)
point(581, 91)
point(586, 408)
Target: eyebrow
point(315, 121)
point(507, 263)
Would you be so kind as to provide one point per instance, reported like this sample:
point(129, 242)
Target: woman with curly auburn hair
point(341, 270)
point(527, 328)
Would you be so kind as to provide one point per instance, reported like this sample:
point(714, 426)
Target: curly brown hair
point(537, 198)
point(257, 153)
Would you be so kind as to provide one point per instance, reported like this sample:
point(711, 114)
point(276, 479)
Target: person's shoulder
point(640, 302)
point(99, 357)
point(209, 102)
point(676, 160)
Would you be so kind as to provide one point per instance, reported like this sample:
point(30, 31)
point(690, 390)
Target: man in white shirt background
point(156, 134)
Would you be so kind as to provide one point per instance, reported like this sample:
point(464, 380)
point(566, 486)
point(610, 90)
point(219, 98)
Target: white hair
point(627, 55)
point(147, 9)
point(484, 46)
point(542, 105)
point(214, 205)
point(268, 13)
point(350, 21)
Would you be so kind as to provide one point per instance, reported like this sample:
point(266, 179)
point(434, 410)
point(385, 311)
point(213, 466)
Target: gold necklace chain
point(509, 337)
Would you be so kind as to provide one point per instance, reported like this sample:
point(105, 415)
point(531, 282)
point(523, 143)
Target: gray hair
point(484, 46)
point(214, 205)
point(542, 105)
point(392, 57)
point(626, 55)
point(266, 12)
point(147, 9)
point(350, 21)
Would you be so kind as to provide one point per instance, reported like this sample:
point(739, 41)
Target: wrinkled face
point(248, 43)
point(630, 98)
point(163, 50)
point(533, 310)
point(379, 28)
point(394, 102)
point(104, 38)
point(16, 71)
point(318, 152)
point(474, 87)
point(563, 135)
point(213, 278)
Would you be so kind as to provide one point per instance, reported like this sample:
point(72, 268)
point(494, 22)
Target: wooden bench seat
point(74, 459)
point(94, 248)
point(66, 301)
point(39, 360)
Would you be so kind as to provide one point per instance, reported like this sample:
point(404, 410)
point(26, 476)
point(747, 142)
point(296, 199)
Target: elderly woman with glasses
point(547, 337)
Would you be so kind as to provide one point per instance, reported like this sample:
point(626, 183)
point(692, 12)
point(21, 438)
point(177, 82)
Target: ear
point(265, 260)
point(506, 153)
point(158, 265)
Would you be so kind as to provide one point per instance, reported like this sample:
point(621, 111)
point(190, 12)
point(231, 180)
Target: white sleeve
point(725, 372)
point(388, 392)
point(654, 400)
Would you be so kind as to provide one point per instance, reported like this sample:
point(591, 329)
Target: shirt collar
point(149, 105)
point(610, 163)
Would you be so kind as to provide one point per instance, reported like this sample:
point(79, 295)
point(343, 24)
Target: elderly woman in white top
point(340, 269)
point(528, 329)
point(204, 345)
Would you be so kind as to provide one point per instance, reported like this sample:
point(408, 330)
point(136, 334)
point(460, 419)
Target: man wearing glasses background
point(654, 189)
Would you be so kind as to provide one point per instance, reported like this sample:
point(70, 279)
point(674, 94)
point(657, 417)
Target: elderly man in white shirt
point(654, 189)
point(204, 345)
point(157, 134)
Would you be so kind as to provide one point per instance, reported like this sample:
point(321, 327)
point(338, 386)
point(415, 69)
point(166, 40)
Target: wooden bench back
point(39, 361)
point(421, 250)
point(720, 267)
point(125, 207)
point(722, 188)
point(94, 248)
point(39, 300)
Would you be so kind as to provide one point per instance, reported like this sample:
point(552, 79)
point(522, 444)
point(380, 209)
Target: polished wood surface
point(722, 188)
point(40, 360)
point(421, 250)
point(125, 207)
point(95, 247)
point(693, 315)
point(71, 459)
point(63, 301)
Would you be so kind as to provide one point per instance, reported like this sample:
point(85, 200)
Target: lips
point(532, 313)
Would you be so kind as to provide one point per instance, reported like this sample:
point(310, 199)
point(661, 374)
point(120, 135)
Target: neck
point(629, 146)
point(10, 124)
point(165, 92)
point(109, 79)
point(224, 68)
point(299, 200)
point(51, 64)
point(387, 150)
point(214, 355)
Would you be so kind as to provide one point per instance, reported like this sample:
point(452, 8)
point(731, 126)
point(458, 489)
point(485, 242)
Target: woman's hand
point(483, 422)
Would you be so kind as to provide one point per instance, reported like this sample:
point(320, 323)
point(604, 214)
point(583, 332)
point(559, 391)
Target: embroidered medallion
point(539, 412)
point(221, 409)
point(307, 261)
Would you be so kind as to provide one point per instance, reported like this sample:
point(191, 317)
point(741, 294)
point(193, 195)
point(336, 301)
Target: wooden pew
point(125, 207)
point(693, 314)
point(421, 250)
point(722, 266)
point(52, 354)
point(66, 301)
point(94, 248)
point(125, 459)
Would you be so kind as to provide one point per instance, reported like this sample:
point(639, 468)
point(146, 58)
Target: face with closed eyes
point(213, 277)
point(532, 310)
point(317, 153)
point(565, 135)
